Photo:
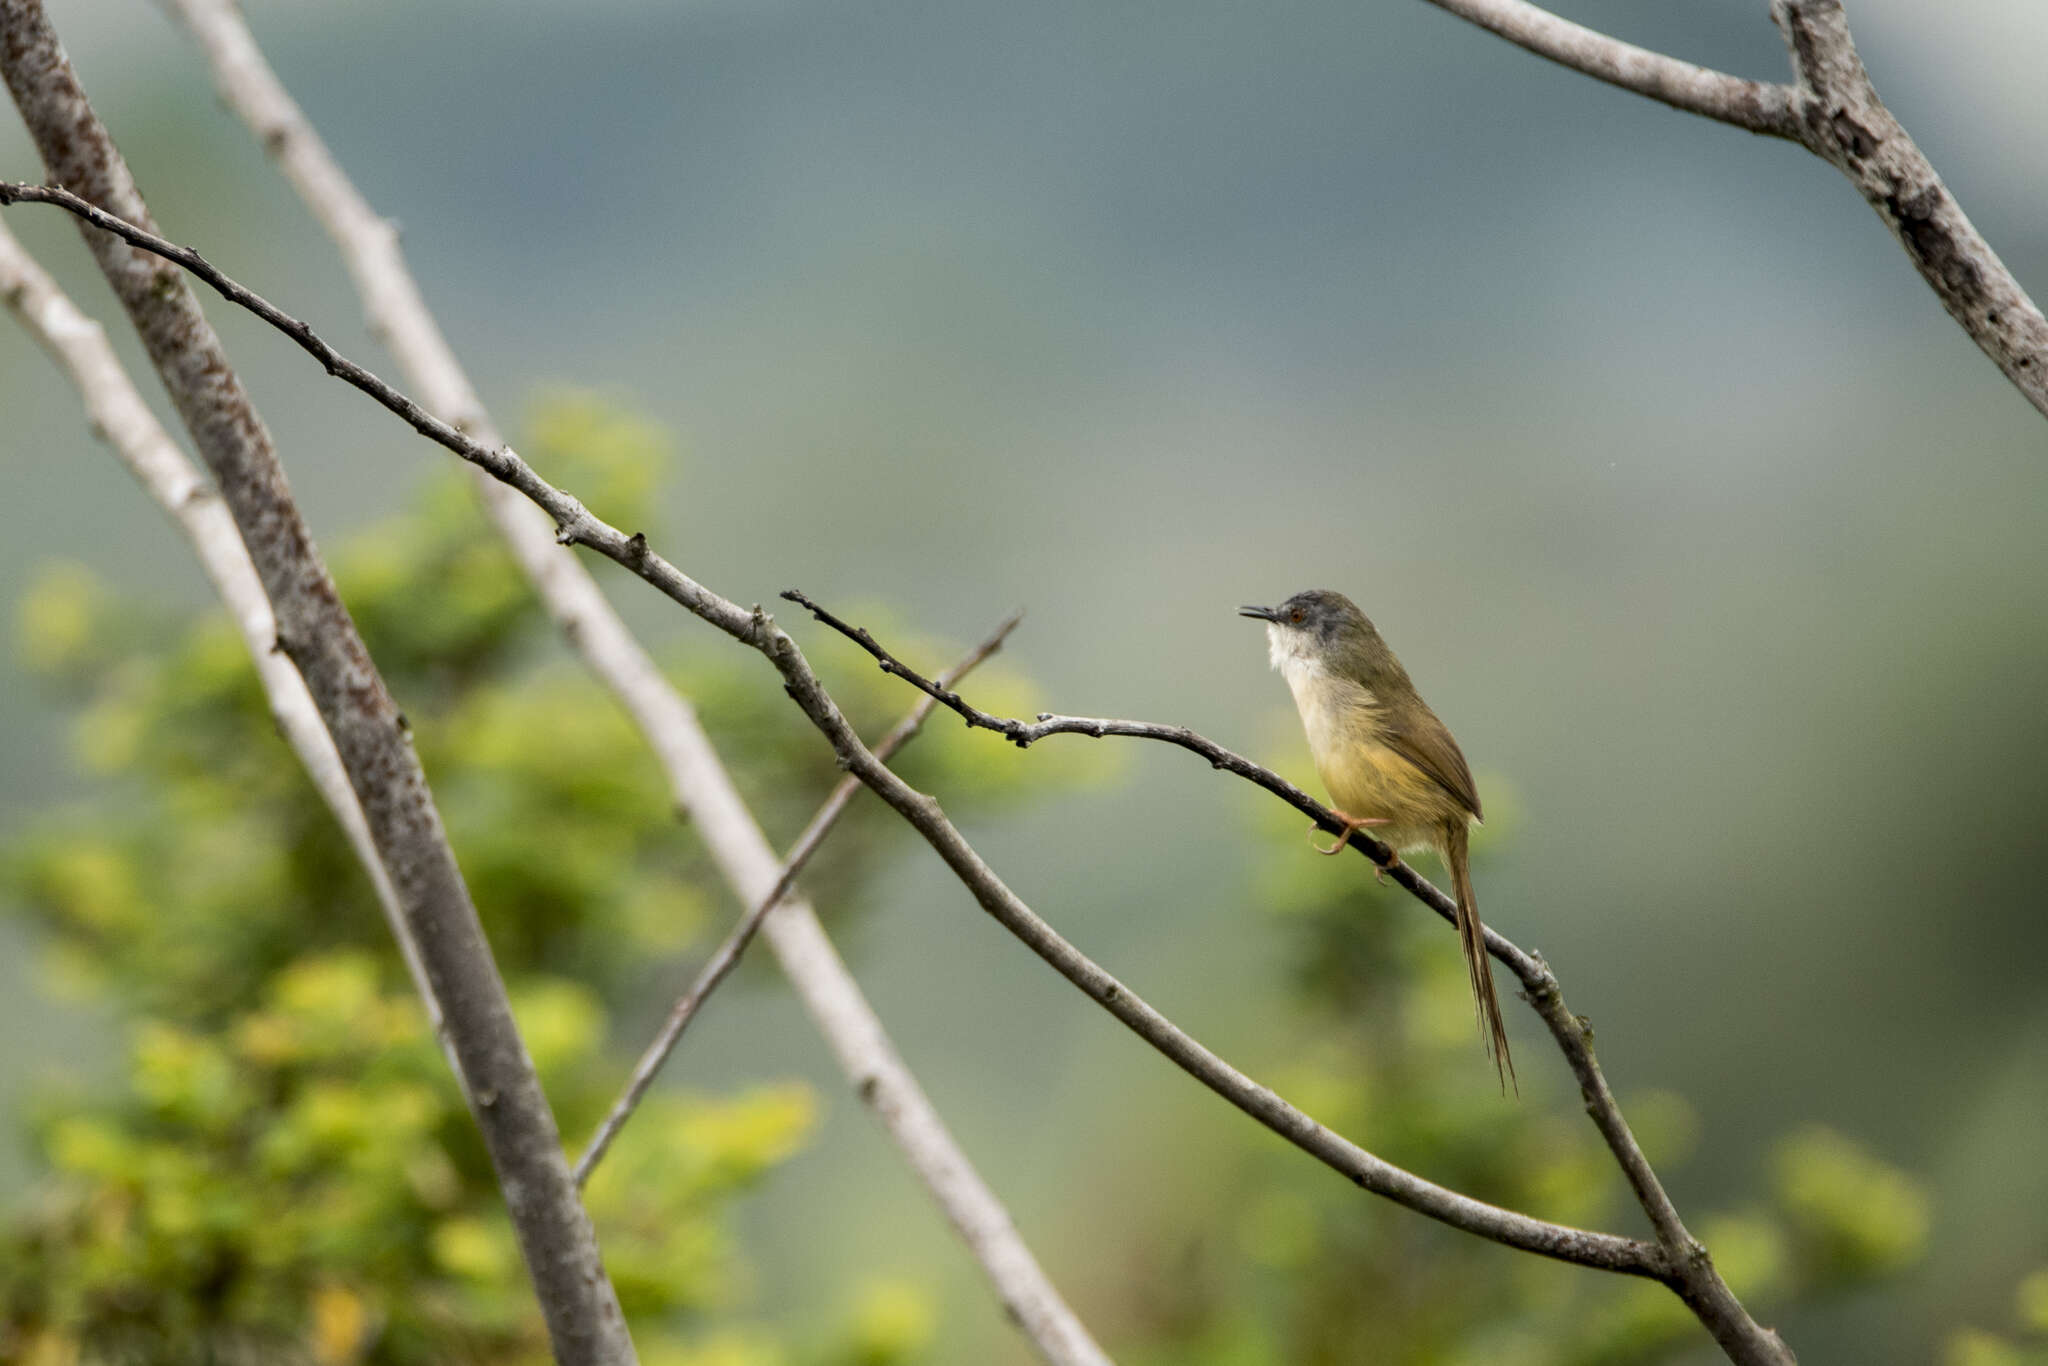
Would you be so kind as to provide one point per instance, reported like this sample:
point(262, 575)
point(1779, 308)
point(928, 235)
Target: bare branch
point(315, 632)
point(1867, 145)
point(1756, 105)
point(1842, 120)
point(1599, 1250)
point(501, 463)
point(727, 956)
point(756, 628)
point(1692, 1275)
point(120, 415)
point(1833, 111)
point(698, 781)
point(398, 315)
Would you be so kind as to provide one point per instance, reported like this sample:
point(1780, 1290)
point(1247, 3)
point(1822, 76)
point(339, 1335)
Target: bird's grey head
point(1312, 625)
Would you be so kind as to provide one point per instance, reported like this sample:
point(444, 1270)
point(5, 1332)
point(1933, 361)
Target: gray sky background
point(1715, 541)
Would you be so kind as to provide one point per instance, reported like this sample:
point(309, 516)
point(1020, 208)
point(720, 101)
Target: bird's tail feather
point(1472, 937)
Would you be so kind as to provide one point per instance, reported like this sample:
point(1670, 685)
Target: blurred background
point(1717, 544)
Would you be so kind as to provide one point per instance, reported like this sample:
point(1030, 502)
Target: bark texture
point(314, 630)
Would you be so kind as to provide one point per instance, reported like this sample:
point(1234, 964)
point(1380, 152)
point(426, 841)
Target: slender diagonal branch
point(727, 955)
point(1687, 1271)
point(576, 525)
point(1756, 105)
point(315, 632)
point(1833, 111)
point(1694, 1278)
point(701, 787)
point(501, 463)
point(117, 411)
point(1837, 114)
point(1539, 984)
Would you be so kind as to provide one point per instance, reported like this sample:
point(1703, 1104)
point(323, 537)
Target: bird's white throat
point(1288, 649)
point(1318, 693)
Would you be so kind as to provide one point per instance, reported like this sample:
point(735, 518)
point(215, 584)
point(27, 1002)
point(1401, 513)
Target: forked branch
point(1691, 1272)
point(726, 956)
point(1831, 109)
point(1685, 1268)
point(705, 795)
point(852, 1030)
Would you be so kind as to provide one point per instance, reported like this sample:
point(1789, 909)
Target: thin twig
point(1694, 1276)
point(702, 789)
point(1836, 113)
point(501, 463)
point(1599, 1250)
point(727, 956)
point(755, 628)
point(1538, 982)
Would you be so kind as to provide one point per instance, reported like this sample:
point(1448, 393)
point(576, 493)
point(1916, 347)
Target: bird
point(1388, 763)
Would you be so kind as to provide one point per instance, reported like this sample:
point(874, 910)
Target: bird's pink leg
point(1352, 825)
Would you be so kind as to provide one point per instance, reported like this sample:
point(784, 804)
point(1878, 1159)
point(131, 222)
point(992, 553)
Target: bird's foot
point(1379, 873)
point(1352, 825)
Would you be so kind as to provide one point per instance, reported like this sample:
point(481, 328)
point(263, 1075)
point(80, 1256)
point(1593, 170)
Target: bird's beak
point(1262, 613)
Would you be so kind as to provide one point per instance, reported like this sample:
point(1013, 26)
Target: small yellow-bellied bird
point(1387, 761)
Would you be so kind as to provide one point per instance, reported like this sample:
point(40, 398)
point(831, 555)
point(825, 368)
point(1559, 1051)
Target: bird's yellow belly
point(1365, 779)
point(1368, 780)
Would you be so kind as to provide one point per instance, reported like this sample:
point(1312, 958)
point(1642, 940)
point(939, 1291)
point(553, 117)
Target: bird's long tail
point(1472, 937)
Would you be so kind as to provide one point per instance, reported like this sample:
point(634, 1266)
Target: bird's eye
point(1295, 616)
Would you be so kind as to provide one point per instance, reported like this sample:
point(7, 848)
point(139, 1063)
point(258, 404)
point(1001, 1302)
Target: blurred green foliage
point(285, 1171)
point(1274, 1264)
point(2022, 1343)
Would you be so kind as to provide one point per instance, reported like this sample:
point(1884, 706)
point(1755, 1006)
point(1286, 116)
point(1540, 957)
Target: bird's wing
point(1426, 743)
